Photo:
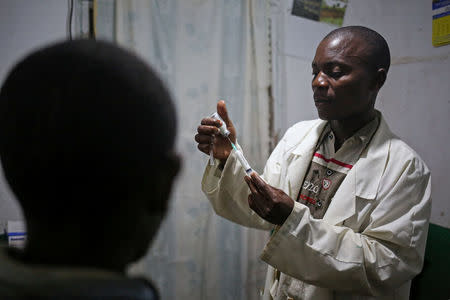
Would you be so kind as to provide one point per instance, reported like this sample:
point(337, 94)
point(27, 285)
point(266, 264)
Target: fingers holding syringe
point(204, 142)
point(255, 199)
point(205, 148)
point(207, 130)
point(251, 185)
point(205, 134)
point(205, 137)
point(265, 189)
point(211, 122)
point(270, 203)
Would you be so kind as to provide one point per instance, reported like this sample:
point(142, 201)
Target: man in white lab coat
point(347, 200)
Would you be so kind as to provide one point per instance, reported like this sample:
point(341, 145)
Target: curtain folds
point(205, 51)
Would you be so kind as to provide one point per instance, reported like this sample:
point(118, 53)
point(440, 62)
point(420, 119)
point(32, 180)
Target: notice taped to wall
point(441, 22)
point(327, 11)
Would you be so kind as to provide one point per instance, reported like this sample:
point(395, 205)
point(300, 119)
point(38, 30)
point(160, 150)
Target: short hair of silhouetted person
point(86, 129)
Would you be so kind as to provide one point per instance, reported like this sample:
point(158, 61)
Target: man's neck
point(344, 129)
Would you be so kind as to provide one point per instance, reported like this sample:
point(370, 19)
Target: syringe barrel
point(243, 162)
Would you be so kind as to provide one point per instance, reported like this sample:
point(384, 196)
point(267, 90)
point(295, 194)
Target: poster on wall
point(327, 11)
point(441, 22)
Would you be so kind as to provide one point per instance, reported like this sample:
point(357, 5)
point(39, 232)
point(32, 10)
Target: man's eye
point(336, 73)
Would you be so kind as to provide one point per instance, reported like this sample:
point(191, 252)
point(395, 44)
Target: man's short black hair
point(379, 55)
point(82, 121)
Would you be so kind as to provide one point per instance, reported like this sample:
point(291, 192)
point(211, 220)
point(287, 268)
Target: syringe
point(226, 133)
point(242, 160)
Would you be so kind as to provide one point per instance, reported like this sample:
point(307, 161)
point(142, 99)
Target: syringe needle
point(228, 137)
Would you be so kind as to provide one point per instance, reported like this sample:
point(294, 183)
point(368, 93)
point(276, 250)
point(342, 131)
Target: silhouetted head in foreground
point(87, 136)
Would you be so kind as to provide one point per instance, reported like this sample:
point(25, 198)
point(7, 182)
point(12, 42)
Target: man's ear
point(380, 78)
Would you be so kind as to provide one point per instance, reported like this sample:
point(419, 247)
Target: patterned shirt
point(328, 168)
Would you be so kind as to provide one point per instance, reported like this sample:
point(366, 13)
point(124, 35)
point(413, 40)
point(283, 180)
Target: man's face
point(341, 79)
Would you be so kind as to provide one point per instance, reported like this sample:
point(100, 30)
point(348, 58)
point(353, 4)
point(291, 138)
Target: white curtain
point(205, 51)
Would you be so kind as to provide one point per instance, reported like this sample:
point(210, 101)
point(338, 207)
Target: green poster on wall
point(328, 11)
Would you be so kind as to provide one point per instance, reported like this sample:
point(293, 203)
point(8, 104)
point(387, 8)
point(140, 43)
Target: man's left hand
point(269, 203)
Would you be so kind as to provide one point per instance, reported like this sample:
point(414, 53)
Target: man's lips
point(322, 100)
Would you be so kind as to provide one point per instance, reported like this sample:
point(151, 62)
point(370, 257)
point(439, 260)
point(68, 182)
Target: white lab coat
point(371, 241)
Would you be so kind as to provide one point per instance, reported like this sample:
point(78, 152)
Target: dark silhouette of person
point(87, 134)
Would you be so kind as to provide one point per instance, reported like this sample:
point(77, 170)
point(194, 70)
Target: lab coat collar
point(307, 143)
point(355, 185)
point(301, 156)
point(373, 161)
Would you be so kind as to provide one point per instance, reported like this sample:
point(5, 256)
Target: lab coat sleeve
point(382, 256)
point(228, 192)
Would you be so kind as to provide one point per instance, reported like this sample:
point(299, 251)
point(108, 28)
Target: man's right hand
point(209, 136)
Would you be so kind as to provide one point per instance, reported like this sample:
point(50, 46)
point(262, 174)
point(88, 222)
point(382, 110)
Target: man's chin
point(324, 115)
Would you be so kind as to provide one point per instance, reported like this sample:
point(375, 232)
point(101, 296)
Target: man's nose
point(320, 81)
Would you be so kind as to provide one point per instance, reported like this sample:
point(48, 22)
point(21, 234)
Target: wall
point(415, 99)
point(24, 26)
